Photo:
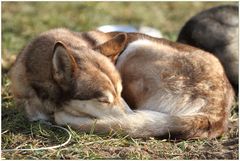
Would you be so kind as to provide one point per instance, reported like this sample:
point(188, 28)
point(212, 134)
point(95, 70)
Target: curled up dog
point(171, 88)
point(59, 68)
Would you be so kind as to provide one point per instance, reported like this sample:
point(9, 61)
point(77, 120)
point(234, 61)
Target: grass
point(22, 21)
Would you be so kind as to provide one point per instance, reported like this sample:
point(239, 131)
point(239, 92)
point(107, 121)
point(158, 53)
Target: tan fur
point(59, 66)
point(175, 90)
point(192, 81)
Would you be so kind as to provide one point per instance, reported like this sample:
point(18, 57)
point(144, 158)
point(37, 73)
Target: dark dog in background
point(216, 30)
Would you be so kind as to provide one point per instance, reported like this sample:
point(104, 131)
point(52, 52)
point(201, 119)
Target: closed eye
point(106, 98)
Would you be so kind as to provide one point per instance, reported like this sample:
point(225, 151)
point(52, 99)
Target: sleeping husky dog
point(60, 67)
point(173, 90)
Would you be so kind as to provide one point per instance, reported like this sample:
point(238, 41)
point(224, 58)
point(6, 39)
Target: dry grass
point(23, 21)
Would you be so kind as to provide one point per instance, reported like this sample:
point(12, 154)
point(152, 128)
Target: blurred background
point(22, 21)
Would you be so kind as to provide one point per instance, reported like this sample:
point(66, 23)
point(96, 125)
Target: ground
point(22, 21)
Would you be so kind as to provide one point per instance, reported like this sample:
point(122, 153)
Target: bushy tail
point(145, 123)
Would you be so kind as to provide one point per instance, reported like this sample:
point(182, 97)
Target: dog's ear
point(113, 47)
point(63, 65)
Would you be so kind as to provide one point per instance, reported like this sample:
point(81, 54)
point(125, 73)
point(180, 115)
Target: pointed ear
point(63, 65)
point(113, 47)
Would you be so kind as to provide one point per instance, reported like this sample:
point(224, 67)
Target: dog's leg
point(35, 110)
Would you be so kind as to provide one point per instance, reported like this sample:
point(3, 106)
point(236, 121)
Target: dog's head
point(87, 74)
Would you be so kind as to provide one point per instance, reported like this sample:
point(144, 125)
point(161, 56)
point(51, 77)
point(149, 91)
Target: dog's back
point(176, 90)
point(190, 85)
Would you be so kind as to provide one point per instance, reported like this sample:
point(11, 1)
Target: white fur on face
point(109, 96)
point(95, 108)
point(119, 88)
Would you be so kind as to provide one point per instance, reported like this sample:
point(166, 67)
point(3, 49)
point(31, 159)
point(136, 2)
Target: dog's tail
point(150, 123)
point(146, 123)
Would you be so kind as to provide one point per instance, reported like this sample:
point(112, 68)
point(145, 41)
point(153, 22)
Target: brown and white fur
point(60, 68)
point(176, 91)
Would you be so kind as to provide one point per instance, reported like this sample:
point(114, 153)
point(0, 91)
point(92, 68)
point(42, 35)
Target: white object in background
point(126, 28)
point(150, 31)
point(120, 28)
